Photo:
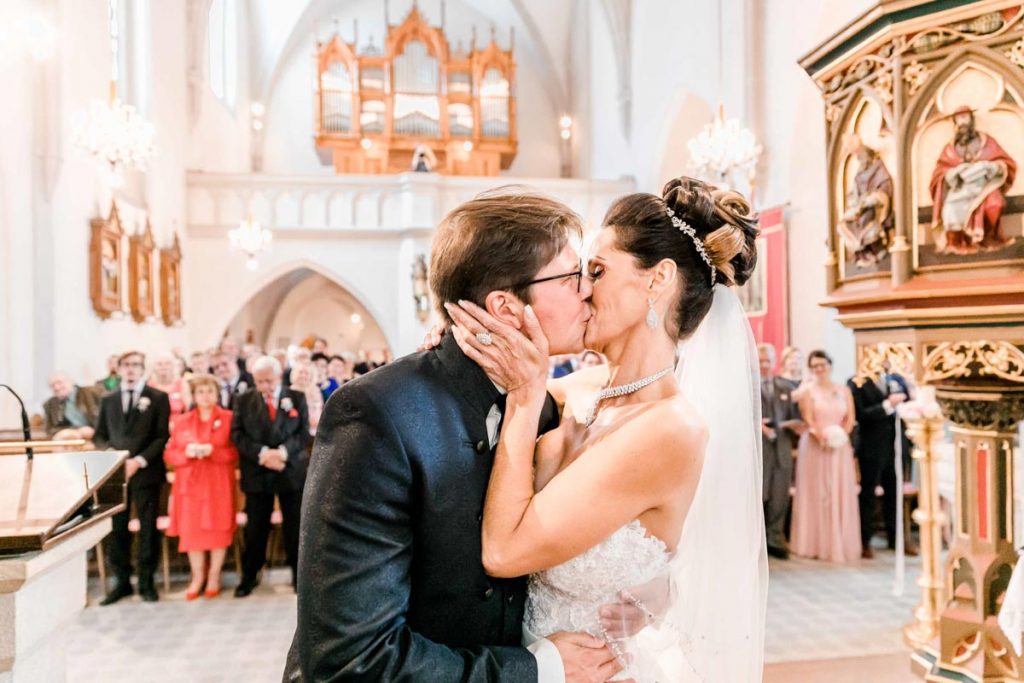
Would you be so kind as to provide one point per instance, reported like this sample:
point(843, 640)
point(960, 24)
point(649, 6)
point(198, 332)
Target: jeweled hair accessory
point(686, 228)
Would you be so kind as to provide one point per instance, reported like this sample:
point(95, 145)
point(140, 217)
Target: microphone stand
point(25, 430)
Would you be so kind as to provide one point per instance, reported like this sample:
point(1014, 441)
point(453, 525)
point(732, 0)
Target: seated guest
point(302, 380)
point(203, 494)
point(165, 377)
point(270, 428)
point(199, 363)
point(110, 382)
point(232, 382)
point(135, 419)
point(72, 410)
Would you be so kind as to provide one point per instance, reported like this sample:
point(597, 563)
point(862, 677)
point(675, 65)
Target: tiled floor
point(825, 623)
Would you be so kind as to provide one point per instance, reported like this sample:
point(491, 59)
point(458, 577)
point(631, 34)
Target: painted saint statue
point(968, 189)
point(868, 222)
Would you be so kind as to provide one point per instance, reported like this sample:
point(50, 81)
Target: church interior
point(194, 186)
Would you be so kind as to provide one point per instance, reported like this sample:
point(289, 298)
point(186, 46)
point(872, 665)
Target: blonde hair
point(201, 379)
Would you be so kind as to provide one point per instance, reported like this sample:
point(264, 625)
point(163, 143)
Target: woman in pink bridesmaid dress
point(826, 517)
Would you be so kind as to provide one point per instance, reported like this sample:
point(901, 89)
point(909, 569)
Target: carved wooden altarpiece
point(141, 297)
point(106, 259)
point(170, 283)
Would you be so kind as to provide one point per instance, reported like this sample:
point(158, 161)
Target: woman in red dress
point(202, 506)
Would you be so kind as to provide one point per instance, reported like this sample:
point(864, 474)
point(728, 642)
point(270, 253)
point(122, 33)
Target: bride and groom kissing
point(465, 519)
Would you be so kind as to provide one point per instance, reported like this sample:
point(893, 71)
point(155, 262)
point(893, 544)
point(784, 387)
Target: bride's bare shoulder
point(589, 380)
point(672, 432)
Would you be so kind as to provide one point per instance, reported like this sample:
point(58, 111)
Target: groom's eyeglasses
point(578, 274)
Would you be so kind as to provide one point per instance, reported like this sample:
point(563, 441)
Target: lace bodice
point(568, 597)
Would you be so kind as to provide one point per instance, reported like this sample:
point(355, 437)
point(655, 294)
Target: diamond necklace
point(622, 390)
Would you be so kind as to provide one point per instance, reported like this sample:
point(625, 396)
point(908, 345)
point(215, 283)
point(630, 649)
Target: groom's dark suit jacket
point(391, 585)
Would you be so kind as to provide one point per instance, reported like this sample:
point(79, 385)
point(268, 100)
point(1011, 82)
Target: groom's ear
point(506, 307)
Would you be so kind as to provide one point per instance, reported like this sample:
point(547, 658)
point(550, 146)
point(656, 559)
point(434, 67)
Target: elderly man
point(271, 431)
point(135, 419)
point(72, 410)
point(781, 423)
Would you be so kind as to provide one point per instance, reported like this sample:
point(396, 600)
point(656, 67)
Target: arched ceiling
point(280, 30)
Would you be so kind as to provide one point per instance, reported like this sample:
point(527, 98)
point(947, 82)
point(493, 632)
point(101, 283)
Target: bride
point(653, 478)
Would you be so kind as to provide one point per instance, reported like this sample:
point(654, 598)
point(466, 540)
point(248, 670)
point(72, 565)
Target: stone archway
point(304, 301)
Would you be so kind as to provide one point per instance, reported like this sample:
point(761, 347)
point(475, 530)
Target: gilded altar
point(417, 104)
point(924, 121)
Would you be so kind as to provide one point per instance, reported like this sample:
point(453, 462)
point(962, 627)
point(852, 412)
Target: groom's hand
point(586, 659)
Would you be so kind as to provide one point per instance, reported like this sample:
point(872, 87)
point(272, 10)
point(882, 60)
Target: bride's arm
point(652, 459)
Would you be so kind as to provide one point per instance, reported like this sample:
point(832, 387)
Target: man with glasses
point(134, 418)
point(391, 582)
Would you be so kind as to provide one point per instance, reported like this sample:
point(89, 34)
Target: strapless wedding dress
point(568, 597)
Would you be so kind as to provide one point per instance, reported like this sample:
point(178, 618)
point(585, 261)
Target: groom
point(391, 584)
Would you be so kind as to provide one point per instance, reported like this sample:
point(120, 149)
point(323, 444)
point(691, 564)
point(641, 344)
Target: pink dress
point(826, 517)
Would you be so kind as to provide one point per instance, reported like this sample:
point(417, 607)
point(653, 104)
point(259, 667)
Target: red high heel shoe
point(212, 593)
point(192, 595)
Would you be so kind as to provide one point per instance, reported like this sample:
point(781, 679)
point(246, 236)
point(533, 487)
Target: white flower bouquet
point(836, 437)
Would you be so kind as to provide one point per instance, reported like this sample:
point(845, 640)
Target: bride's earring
point(652, 315)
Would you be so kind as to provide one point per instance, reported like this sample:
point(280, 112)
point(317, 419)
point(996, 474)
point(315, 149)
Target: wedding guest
point(338, 372)
point(199, 363)
point(165, 378)
point(135, 419)
point(780, 416)
point(320, 346)
point(562, 366)
point(589, 359)
point(791, 365)
point(270, 428)
point(875, 400)
point(302, 381)
point(110, 382)
point(826, 520)
point(203, 493)
point(72, 410)
point(229, 347)
point(232, 382)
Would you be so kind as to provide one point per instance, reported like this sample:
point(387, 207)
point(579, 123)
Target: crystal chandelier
point(250, 239)
point(112, 132)
point(724, 153)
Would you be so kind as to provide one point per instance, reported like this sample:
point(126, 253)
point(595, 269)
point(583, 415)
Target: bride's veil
point(713, 628)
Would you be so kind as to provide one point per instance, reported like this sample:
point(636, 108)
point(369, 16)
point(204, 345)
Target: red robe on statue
point(981, 230)
point(202, 507)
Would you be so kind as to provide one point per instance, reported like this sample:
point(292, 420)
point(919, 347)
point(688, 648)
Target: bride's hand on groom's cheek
point(513, 359)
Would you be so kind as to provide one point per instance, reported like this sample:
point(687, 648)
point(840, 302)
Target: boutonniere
point(784, 397)
point(287, 405)
point(293, 413)
point(241, 387)
point(216, 424)
point(143, 404)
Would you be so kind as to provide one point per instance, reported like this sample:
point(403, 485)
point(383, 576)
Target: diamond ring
point(484, 338)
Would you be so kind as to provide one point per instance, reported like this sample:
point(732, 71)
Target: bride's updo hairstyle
point(653, 228)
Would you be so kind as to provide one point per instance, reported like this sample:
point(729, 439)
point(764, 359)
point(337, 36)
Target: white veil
point(713, 628)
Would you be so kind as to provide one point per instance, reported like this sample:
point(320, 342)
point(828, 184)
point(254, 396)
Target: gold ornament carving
point(831, 112)
point(915, 75)
point(967, 648)
point(1016, 53)
point(964, 359)
point(872, 357)
point(883, 86)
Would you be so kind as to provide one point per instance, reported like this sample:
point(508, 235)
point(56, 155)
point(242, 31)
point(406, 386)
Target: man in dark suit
point(270, 429)
point(391, 581)
point(134, 418)
point(233, 383)
point(875, 400)
point(780, 416)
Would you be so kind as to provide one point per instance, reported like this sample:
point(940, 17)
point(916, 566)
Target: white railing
point(356, 203)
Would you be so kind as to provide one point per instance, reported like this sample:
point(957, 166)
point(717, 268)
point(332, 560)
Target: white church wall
point(50, 304)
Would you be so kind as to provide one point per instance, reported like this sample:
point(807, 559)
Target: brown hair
point(818, 353)
point(128, 354)
point(497, 241)
point(202, 379)
point(722, 220)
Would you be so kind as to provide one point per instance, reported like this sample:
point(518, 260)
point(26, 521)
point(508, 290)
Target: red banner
point(764, 296)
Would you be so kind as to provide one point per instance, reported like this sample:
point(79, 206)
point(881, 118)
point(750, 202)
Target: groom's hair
point(498, 240)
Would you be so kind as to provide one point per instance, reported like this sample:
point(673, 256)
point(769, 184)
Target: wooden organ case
point(376, 109)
